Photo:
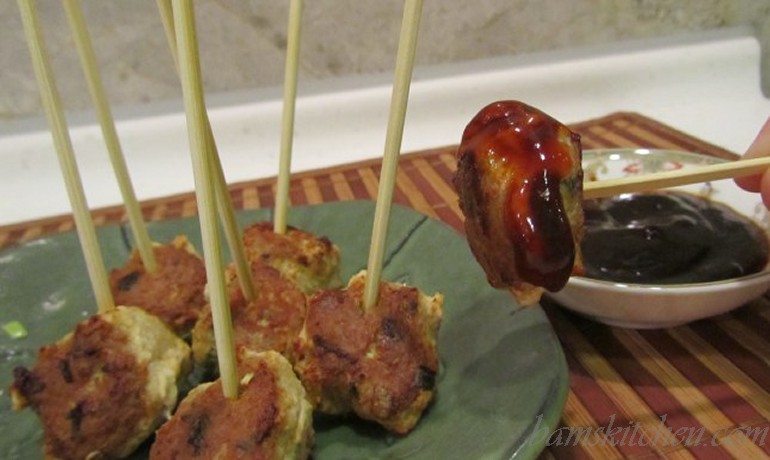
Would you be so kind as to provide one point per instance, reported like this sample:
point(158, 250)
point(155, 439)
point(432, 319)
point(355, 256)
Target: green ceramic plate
point(503, 382)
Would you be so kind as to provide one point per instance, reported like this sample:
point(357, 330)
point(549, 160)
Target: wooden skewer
point(224, 203)
point(403, 75)
point(192, 88)
point(55, 114)
point(287, 120)
point(646, 182)
point(96, 88)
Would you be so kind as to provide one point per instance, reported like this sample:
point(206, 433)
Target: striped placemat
point(699, 390)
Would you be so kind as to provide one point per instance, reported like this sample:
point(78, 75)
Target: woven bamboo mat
point(700, 390)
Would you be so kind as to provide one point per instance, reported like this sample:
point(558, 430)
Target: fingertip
point(758, 148)
point(765, 189)
point(750, 183)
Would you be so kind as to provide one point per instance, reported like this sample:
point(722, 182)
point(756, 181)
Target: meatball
point(105, 387)
point(272, 321)
point(174, 292)
point(310, 261)
point(520, 183)
point(380, 364)
point(270, 419)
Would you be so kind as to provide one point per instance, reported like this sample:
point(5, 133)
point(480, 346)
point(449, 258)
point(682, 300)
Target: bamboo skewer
point(96, 88)
point(224, 203)
point(399, 98)
point(52, 106)
point(646, 182)
point(287, 119)
point(192, 88)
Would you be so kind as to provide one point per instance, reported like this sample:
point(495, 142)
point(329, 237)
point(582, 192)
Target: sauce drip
point(669, 238)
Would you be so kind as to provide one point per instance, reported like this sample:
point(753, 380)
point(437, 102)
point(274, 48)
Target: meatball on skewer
point(271, 418)
point(174, 291)
point(380, 363)
point(272, 321)
point(519, 179)
point(105, 387)
point(312, 262)
point(284, 268)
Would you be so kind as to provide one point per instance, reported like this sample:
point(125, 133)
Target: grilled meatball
point(270, 419)
point(271, 322)
point(380, 364)
point(520, 183)
point(104, 388)
point(310, 261)
point(174, 292)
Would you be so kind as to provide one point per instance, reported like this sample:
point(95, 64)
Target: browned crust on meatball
point(213, 426)
point(174, 293)
point(258, 424)
point(380, 364)
point(309, 260)
point(270, 322)
point(88, 392)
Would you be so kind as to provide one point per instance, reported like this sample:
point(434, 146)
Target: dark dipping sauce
point(669, 238)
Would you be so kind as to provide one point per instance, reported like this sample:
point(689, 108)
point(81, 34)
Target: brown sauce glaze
point(513, 149)
point(669, 238)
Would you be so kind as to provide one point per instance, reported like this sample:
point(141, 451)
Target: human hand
point(759, 182)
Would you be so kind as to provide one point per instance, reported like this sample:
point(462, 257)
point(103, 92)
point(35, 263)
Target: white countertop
point(707, 85)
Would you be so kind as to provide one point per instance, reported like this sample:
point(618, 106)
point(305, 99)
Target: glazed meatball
point(520, 183)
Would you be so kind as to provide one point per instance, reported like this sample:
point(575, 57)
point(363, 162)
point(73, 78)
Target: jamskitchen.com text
point(656, 434)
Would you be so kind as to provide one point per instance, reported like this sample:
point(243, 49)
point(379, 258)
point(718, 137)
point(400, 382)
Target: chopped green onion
point(15, 330)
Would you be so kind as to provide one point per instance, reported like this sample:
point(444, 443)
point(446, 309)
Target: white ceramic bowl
point(656, 306)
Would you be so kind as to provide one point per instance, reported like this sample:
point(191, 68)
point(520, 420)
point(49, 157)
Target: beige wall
point(242, 42)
